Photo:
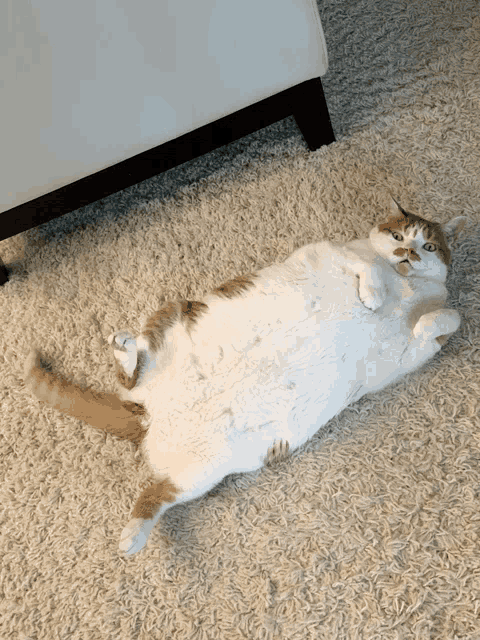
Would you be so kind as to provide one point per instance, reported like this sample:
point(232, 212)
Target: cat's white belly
point(204, 428)
point(198, 448)
point(219, 408)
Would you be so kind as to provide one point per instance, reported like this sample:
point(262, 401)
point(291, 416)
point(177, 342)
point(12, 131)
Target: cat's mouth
point(403, 267)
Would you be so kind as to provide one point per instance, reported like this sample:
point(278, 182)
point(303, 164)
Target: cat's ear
point(396, 208)
point(453, 228)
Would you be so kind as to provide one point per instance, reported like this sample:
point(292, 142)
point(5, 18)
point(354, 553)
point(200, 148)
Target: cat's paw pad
point(133, 537)
point(124, 347)
point(371, 297)
point(278, 451)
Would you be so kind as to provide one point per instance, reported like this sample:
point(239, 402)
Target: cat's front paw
point(371, 297)
point(134, 537)
point(442, 322)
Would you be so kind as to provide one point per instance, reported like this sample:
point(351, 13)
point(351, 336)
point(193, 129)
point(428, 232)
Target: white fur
point(283, 359)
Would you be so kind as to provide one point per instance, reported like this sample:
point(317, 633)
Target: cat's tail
point(101, 410)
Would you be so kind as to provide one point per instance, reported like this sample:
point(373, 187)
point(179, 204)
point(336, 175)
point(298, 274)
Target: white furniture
point(98, 95)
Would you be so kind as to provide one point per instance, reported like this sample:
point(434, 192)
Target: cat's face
point(412, 245)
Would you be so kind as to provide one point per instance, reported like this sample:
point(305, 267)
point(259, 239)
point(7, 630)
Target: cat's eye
point(429, 246)
point(397, 236)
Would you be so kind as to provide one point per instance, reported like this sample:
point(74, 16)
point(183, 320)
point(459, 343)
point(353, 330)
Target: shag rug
point(370, 531)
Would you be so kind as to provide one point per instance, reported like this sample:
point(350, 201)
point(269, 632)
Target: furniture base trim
point(305, 101)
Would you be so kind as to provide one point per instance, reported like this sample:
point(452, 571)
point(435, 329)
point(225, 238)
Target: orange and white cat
point(212, 387)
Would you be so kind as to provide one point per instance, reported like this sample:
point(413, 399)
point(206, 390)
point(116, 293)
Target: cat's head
point(415, 246)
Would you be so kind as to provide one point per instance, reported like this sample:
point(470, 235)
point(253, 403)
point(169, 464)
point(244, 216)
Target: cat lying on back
point(210, 388)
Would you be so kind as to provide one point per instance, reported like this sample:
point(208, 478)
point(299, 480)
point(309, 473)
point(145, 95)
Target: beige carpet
point(372, 530)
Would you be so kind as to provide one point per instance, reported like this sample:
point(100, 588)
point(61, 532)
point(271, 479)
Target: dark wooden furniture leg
point(311, 115)
point(3, 273)
point(306, 102)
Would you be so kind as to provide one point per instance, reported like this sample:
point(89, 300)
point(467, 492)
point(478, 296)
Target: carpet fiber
point(371, 530)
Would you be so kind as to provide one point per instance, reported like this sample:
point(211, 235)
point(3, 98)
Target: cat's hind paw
point(124, 347)
point(133, 537)
point(278, 451)
point(119, 339)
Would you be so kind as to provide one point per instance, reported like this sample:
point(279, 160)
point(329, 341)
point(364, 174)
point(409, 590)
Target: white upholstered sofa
point(98, 95)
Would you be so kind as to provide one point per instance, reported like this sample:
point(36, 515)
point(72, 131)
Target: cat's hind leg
point(124, 347)
point(131, 355)
point(153, 501)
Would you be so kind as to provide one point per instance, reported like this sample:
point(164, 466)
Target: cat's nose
point(413, 255)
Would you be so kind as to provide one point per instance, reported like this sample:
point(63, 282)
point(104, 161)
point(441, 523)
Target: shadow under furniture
point(306, 102)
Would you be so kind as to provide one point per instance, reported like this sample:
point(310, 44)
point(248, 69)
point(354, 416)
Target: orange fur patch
point(234, 288)
point(152, 498)
point(412, 255)
point(185, 311)
point(156, 325)
point(122, 377)
point(191, 312)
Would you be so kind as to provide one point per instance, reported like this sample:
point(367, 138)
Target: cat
point(265, 360)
